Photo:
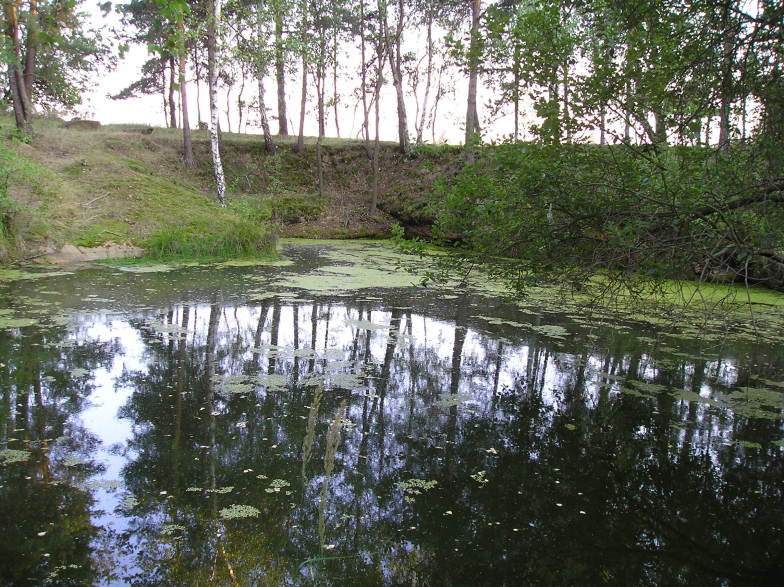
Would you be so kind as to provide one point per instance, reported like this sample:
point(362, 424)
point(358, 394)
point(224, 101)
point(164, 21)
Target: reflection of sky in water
point(521, 431)
point(101, 417)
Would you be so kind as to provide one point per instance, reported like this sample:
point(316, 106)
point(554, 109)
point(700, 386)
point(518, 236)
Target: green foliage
point(412, 246)
point(429, 152)
point(203, 239)
point(14, 217)
point(291, 208)
point(254, 210)
point(573, 210)
point(8, 207)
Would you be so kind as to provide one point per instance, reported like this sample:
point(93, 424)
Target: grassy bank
point(89, 188)
point(119, 185)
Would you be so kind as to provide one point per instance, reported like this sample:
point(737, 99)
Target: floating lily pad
point(75, 461)
point(651, 388)
point(276, 485)
point(413, 487)
point(748, 444)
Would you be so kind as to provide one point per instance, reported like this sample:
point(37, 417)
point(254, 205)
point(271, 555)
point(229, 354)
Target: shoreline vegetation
point(123, 188)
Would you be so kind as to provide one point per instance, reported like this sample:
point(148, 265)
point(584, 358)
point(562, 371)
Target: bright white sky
point(149, 109)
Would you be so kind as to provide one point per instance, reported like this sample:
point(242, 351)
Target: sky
point(149, 109)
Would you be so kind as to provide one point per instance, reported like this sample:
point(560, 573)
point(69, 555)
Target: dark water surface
point(195, 427)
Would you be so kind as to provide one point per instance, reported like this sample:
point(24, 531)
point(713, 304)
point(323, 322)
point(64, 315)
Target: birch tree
point(213, 31)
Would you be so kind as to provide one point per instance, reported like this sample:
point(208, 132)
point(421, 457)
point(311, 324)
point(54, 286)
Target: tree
point(153, 23)
point(21, 100)
point(280, 8)
point(162, 25)
point(304, 53)
point(262, 63)
point(252, 24)
point(180, 11)
point(50, 55)
point(213, 31)
point(472, 125)
point(393, 41)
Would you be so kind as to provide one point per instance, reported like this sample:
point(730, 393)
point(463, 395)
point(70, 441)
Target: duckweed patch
point(221, 490)
point(7, 323)
point(239, 511)
point(448, 400)
point(9, 456)
point(277, 485)
point(413, 487)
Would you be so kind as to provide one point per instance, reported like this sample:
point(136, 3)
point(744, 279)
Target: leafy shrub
point(576, 209)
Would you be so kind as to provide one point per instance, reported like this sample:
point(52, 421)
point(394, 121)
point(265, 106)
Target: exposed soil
point(70, 254)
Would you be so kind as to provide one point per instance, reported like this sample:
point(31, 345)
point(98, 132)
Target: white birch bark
point(212, 74)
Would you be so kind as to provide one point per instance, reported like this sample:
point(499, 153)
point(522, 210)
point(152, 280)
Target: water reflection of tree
point(583, 483)
point(45, 502)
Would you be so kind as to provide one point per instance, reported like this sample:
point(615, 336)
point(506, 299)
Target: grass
point(118, 185)
point(205, 240)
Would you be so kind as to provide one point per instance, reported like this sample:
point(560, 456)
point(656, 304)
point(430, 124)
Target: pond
point(286, 424)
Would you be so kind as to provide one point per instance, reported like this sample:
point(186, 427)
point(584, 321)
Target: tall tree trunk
point(212, 75)
point(517, 65)
point(269, 145)
point(420, 123)
point(302, 104)
point(320, 164)
point(31, 50)
point(16, 98)
point(726, 80)
point(627, 107)
point(376, 142)
point(228, 108)
point(660, 129)
point(198, 93)
point(280, 73)
point(240, 103)
point(603, 124)
point(707, 131)
point(304, 95)
point(23, 108)
point(363, 75)
point(335, 93)
point(395, 54)
point(187, 146)
point(472, 128)
point(566, 120)
point(436, 100)
point(172, 101)
point(321, 82)
point(554, 116)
